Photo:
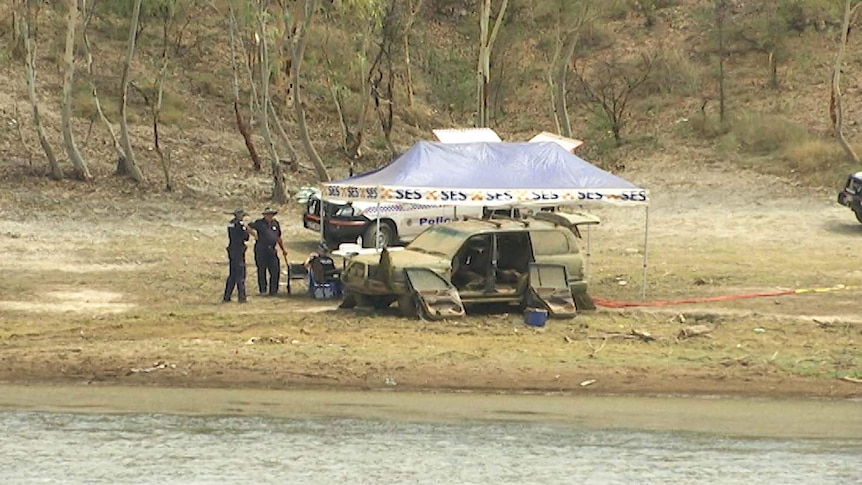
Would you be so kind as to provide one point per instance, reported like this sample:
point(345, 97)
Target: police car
point(350, 222)
point(357, 221)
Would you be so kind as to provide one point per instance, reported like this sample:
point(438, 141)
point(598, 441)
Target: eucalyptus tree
point(303, 19)
point(94, 90)
point(486, 45)
point(568, 19)
point(29, 19)
point(836, 105)
point(237, 47)
point(81, 170)
point(279, 187)
point(351, 49)
point(127, 164)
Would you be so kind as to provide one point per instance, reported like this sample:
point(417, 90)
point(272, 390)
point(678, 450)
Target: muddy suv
point(851, 196)
point(533, 261)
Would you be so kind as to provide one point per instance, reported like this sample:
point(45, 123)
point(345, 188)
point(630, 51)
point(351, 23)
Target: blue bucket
point(535, 317)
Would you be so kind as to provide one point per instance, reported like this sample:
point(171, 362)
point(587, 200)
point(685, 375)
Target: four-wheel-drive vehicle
point(532, 261)
point(346, 222)
point(851, 195)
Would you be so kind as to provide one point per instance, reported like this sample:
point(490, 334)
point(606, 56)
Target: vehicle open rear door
point(437, 298)
point(549, 289)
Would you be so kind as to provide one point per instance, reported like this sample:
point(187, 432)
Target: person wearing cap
point(237, 235)
point(265, 255)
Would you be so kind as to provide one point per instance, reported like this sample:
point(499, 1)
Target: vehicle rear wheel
point(858, 215)
point(386, 236)
point(408, 307)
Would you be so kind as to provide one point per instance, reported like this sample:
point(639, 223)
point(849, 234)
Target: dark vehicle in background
point(344, 223)
point(851, 195)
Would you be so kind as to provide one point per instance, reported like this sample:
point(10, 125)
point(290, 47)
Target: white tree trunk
point(30, 50)
point(836, 109)
point(279, 188)
point(128, 165)
point(485, 47)
point(298, 52)
point(88, 52)
point(81, 170)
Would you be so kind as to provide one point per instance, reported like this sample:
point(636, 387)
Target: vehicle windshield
point(440, 240)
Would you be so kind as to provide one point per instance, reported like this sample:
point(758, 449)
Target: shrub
point(760, 134)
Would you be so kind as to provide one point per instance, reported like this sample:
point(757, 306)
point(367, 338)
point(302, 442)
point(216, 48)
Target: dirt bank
point(107, 291)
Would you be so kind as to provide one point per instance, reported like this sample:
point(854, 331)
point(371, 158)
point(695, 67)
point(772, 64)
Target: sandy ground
point(105, 290)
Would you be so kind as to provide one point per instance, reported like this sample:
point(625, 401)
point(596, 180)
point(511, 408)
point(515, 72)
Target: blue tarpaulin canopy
point(493, 174)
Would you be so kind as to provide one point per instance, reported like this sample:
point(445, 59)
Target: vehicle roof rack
point(522, 220)
point(496, 224)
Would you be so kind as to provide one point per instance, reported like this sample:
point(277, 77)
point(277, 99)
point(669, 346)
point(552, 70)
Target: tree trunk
point(836, 108)
point(30, 50)
point(279, 187)
point(240, 123)
point(486, 46)
point(298, 52)
point(18, 49)
point(408, 71)
point(164, 156)
point(481, 72)
point(88, 52)
point(561, 108)
point(721, 16)
point(81, 170)
point(288, 145)
point(127, 164)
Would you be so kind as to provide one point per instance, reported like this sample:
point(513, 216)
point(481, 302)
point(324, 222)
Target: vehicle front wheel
point(858, 215)
point(386, 236)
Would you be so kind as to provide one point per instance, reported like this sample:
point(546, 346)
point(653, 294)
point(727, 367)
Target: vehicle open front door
point(549, 289)
point(435, 297)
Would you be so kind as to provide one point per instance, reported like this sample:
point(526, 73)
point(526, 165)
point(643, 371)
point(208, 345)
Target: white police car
point(399, 222)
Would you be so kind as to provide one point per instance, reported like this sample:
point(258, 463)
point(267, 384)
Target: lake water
point(357, 438)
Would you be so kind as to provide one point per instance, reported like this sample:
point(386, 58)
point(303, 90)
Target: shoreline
point(751, 417)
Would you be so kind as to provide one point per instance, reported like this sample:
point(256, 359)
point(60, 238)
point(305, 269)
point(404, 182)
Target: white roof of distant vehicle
point(466, 135)
point(569, 144)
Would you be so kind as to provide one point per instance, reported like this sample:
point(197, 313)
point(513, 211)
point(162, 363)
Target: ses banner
point(487, 197)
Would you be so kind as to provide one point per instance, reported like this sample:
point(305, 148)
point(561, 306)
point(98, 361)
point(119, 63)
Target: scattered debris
point(759, 330)
point(588, 382)
point(694, 331)
point(643, 335)
point(568, 339)
point(266, 340)
point(156, 366)
point(595, 350)
point(390, 382)
point(854, 380)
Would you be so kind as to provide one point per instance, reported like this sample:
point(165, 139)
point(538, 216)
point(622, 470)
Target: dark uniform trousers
point(266, 260)
point(236, 274)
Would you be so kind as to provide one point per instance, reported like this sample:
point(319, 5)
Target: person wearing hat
point(237, 235)
point(319, 263)
point(265, 255)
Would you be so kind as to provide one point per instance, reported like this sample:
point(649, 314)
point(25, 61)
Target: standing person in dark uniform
point(265, 255)
point(237, 235)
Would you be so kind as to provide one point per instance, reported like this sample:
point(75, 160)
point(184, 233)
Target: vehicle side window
point(549, 242)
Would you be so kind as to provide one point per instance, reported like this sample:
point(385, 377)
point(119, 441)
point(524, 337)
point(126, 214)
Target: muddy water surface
point(139, 435)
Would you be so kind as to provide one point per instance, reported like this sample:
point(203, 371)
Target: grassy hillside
point(775, 125)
